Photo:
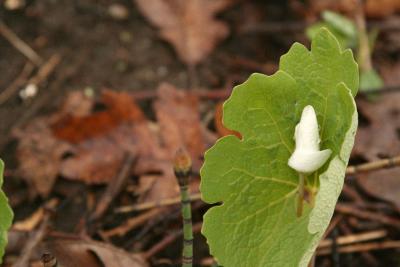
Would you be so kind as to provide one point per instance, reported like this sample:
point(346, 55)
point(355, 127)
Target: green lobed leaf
point(340, 23)
point(370, 80)
point(341, 27)
point(6, 215)
point(256, 224)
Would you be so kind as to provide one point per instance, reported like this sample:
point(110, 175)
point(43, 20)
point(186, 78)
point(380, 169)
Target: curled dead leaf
point(379, 137)
point(383, 184)
point(77, 252)
point(190, 26)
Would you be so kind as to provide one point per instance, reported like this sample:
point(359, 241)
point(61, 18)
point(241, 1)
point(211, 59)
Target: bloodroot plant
point(275, 189)
point(6, 215)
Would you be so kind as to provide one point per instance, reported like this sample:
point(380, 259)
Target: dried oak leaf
point(383, 184)
point(178, 116)
point(71, 252)
point(190, 26)
point(39, 155)
point(379, 138)
point(102, 138)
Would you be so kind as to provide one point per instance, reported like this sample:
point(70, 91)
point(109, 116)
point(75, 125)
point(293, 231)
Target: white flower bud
point(306, 157)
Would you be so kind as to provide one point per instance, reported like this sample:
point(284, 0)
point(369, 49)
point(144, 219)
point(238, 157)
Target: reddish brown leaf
point(383, 184)
point(119, 108)
point(97, 141)
point(379, 138)
point(189, 26)
point(104, 137)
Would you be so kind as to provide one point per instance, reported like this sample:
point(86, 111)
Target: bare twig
point(17, 83)
point(45, 70)
point(20, 45)
point(154, 204)
point(367, 215)
point(363, 247)
point(35, 218)
point(30, 245)
point(354, 238)
point(114, 187)
point(168, 240)
point(375, 165)
point(131, 224)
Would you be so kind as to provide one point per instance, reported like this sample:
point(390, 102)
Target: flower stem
point(301, 195)
point(187, 255)
point(182, 169)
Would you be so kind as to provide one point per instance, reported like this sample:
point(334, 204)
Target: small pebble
point(14, 4)
point(29, 91)
point(118, 12)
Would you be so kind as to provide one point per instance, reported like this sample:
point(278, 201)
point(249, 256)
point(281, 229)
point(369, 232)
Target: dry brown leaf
point(383, 184)
point(39, 154)
point(93, 143)
point(77, 252)
point(178, 115)
point(391, 73)
point(373, 8)
point(190, 26)
point(102, 138)
point(380, 138)
point(381, 8)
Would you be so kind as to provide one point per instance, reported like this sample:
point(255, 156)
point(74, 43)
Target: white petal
point(308, 161)
point(306, 133)
point(307, 158)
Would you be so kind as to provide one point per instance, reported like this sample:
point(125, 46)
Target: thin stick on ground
point(168, 240)
point(131, 224)
point(155, 204)
point(182, 169)
point(20, 45)
point(354, 238)
point(17, 83)
point(114, 188)
point(45, 70)
point(375, 165)
point(363, 247)
point(367, 215)
point(32, 243)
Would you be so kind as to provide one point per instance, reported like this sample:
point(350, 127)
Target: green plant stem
point(182, 169)
point(187, 255)
point(301, 195)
